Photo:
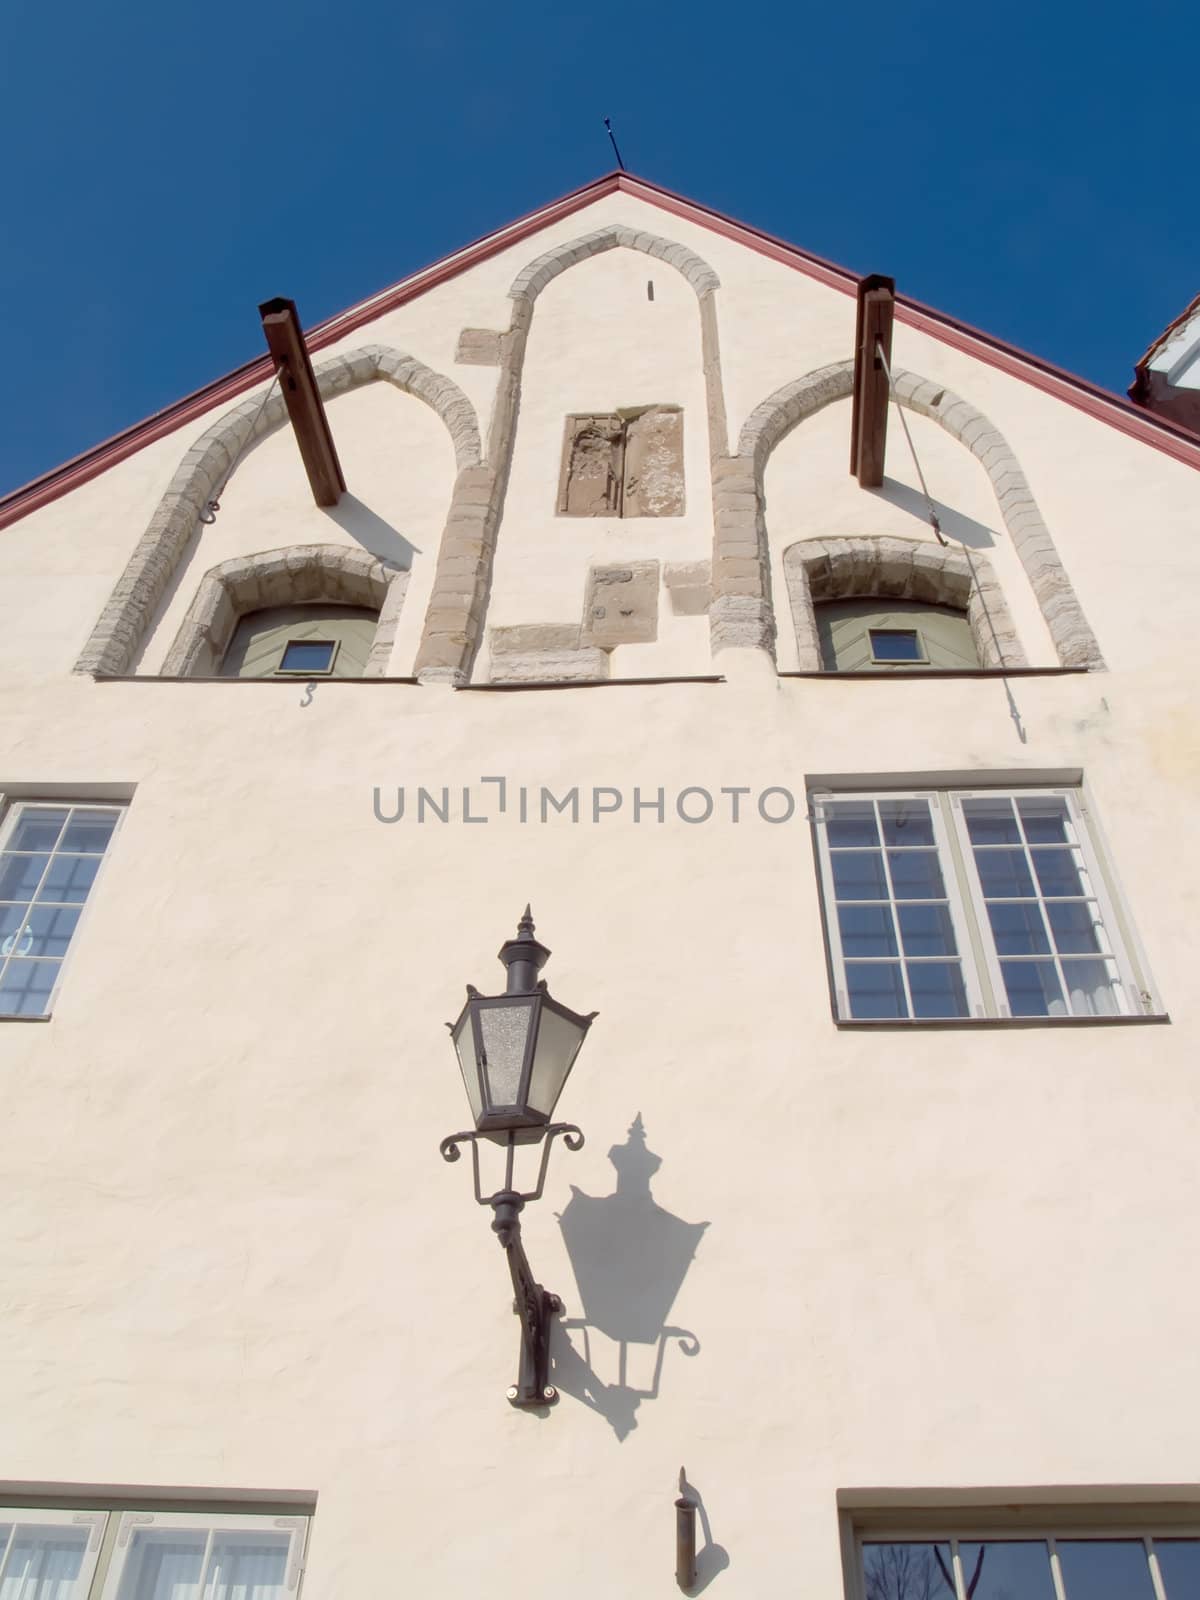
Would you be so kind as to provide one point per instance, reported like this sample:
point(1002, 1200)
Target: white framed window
point(149, 1555)
point(48, 1555)
point(50, 855)
point(966, 904)
point(1035, 1563)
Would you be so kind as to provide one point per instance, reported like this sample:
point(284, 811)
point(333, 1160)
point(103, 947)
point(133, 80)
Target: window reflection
point(1007, 1569)
point(908, 1571)
point(1105, 1569)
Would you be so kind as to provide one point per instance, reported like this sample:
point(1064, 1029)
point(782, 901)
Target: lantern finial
point(524, 957)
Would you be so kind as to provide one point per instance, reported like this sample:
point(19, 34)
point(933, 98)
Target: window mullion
point(956, 1566)
point(8, 1549)
point(977, 976)
point(893, 908)
point(205, 1564)
point(1060, 1588)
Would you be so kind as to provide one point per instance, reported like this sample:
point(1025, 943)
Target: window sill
point(292, 678)
point(856, 1024)
point(4, 1018)
point(874, 674)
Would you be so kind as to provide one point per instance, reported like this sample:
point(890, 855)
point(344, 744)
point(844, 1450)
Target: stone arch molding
point(125, 620)
point(894, 568)
point(463, 578)
point(741, 570)
point(532, 279)
point(289, 576)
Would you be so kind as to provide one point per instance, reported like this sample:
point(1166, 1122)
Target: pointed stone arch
point(896, 568)
point(292, 575)
point(121, 629)
point(463, 579)
point(742, 557)
point(534, 277)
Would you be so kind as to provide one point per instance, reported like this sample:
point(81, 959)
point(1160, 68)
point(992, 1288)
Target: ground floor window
point(124, 1554)
point(1065, 1564)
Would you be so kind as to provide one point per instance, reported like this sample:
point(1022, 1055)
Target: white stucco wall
point(232, 1255)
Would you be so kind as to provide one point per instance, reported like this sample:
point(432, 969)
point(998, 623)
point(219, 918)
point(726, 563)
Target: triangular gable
point(1175, 441)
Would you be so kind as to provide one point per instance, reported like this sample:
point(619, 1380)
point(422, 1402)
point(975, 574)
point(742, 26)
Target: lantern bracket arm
point(451, 1150)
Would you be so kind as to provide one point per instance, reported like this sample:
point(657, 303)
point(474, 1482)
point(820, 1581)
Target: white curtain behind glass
point(246, 1571)
point(43, 1565)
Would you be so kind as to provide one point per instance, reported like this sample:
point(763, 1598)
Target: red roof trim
point(1178, 442)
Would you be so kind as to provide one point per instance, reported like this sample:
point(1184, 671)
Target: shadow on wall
point(956, 526)
point(630, 1258)
point(371, 531)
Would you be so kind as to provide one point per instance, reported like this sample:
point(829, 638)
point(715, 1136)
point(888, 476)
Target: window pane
point(1074, 924)
point(20, 876)
point(25, 987)
point(867, 931)
point(858, 875)
point(927, 930)
point(49, 931)
point(916, 875)
point(850, 823)
point(37, 828)
point(44, 1563)
point(163, 1565)
point(247, 1566)
point(895, 644)
point(1033, 989)
point(991, 821)
point(1179, 1563)
point(1018, 928)
point(876, 989)
point(1004, 874)
point(70, 878)
point(89, 831)
point(307, 655)
point(906, 822)
point(1105, 1569)
point(908, 1572)
point(937, 989)
point(1092, 986)
point(1058, 872)
point(1004, 1569)
point(1045, 819)
point(12, 920)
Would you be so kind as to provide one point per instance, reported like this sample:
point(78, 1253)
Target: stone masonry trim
point(288, 576)
point(896, 568)
point(463, 578)
point(741, 568)
point(123, 624)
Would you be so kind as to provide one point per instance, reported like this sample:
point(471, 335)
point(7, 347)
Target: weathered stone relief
point(623, 464)
point(741, 611)
point(621, 605)
point(289, 576)
point(894, 568)
point(122, 627)
point(591, 482)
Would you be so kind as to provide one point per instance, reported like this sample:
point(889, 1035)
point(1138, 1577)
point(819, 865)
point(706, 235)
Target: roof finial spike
point(525, 926)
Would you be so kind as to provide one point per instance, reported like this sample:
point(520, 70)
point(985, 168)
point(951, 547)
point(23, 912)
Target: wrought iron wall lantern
point(515, 1052)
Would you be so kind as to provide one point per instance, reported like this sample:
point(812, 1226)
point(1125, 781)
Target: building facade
point(865, 838)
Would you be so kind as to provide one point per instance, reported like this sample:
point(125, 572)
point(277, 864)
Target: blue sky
point(1027, 167)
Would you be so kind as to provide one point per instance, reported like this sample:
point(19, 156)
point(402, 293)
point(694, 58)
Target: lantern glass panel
point(464, 1044)
point(505, 1033)
point(558, 1042)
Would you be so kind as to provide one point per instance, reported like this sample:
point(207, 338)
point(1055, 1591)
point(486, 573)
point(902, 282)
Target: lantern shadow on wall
point(630, 1258)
